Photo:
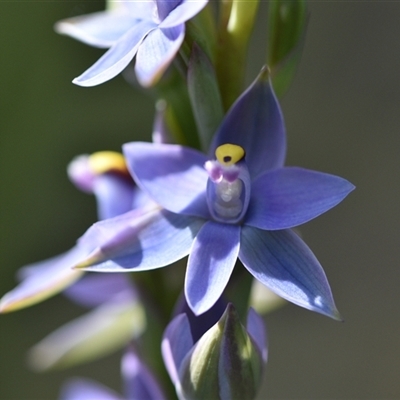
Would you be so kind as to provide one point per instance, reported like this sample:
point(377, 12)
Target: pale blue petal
point(186, 10)
point(255, 122)
point(101, 29)
point(141, 199)
point(288, 197)
point(136, 242)
point(200, 324)
point(164, 7)
point(283, 262)
point(116, 234)
point(117, 57)
point(142, 9)
point(114, 195)
point(139, 382)
point(256, 329)
point(176, 343)
point(156, 53)
point(80, 174)
point(85, 389)
point(95, 289)
point(210, 265)
point(173, 176)
point(43, 279)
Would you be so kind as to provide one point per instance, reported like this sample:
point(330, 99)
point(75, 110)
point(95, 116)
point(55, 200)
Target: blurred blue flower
point(139, 384)
point(239, 201)
point(151, 30)
point(103, 174)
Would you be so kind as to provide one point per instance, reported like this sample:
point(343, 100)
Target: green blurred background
point(343, 117)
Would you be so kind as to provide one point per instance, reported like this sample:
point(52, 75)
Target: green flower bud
point(226, 363)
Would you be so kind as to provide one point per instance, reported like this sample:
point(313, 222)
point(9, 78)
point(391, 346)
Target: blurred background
point(343, 117)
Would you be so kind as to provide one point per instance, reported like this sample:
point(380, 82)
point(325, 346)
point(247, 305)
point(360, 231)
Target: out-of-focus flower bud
point(264, 300)
point(103, 330)
point(287, 23)
point(139, 383)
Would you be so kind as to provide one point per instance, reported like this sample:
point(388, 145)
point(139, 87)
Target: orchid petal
point(101, 29)
point(95, 289)
point(186, 10)
point(200, 324)
point(255, 122)
point(210, 265)
point(256, 328)
point(140, 383)
point(117, 234)
point(114, 195)
point(99, 332)
point(43, 280)
point(288, 197)
point(284, 263)
point(135, 242)
point(142, 9)
point(80, 174)
point(176, 343)
point(156, 53)
point(141, 199)
point(174, 176)
point(165, 7)
point(85, 389)
point(117, 57)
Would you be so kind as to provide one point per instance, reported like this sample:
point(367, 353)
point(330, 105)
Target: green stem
point(202, 30)
point(180, 119)
point(236, 25)
point(239, 289)
point(158, 302)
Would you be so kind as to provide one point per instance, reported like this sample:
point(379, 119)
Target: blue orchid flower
point(139, 384)
point(151, 30)
point(103, 174)
point(239, 201)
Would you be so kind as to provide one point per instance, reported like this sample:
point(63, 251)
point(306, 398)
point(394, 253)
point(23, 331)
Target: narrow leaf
point(204, 95)
point(287, 24)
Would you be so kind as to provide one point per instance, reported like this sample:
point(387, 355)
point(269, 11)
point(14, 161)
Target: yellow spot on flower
point(229, 154)
point(107, 161)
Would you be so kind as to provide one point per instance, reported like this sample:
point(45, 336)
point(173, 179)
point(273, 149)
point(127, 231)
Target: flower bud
point(227, 361)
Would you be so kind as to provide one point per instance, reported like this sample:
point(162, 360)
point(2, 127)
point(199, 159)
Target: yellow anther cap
point(229, 154)
point(106, 161)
